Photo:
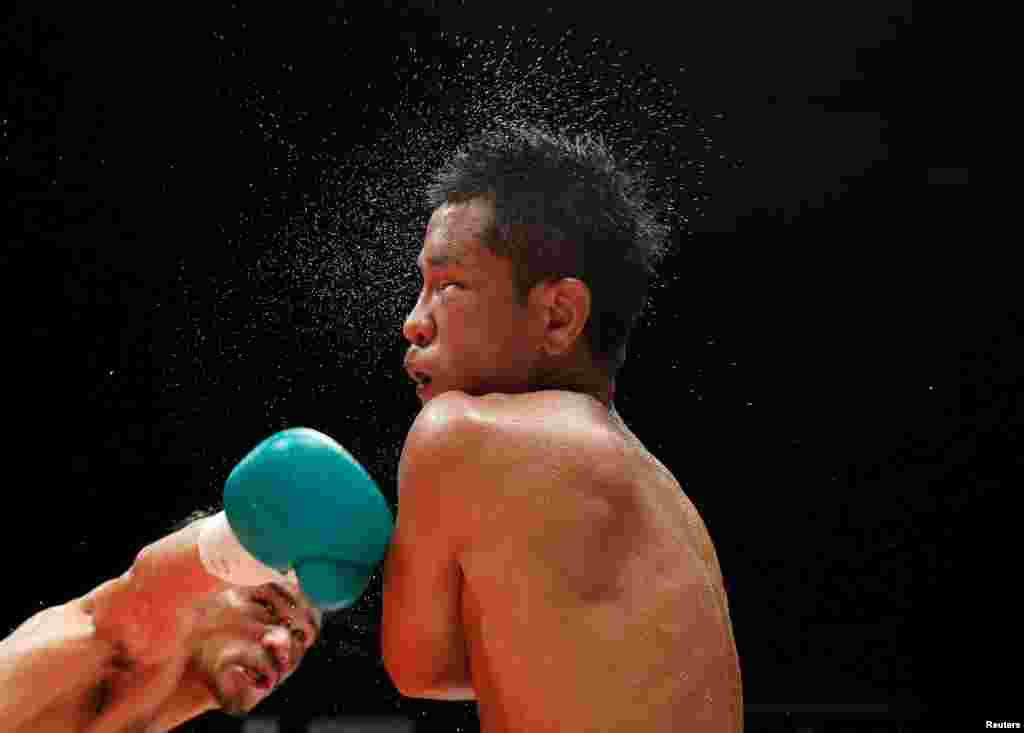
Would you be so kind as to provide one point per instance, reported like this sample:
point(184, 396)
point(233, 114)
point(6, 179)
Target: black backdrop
point(813, 365)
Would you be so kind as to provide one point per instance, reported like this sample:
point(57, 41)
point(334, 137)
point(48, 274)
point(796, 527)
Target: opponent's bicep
point(53, 654)
point(422, 639)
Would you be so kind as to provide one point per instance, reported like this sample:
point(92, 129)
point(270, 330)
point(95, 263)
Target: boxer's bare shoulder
point(68, 666)
point(52, 668)
point(592, 593)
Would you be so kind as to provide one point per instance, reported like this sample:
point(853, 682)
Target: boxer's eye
point(267, 605)
point(297, 633)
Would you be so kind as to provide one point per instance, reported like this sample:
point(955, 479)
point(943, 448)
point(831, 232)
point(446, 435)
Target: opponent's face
point(251, 641)
point(468, 330)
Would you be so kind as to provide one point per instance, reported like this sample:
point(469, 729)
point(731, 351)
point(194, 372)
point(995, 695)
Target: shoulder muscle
point(421, 639)
point(443, 435)
point(54, 652)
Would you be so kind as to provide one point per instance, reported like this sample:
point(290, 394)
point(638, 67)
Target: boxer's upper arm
point(141, 611)
point(422, 639)
point(52, 654)
point(132, 618)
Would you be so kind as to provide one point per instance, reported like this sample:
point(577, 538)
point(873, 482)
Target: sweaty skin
point(591, 594)
point(151, 649)
point(615, 617)
point(544, 563)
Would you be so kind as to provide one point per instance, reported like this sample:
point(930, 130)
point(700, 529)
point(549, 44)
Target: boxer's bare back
point(592, 596)
point(153, 648)
point(81, 682)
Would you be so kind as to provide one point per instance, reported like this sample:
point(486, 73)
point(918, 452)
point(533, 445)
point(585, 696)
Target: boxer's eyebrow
point(441, 260)
point(445, 259)
point(290, 600)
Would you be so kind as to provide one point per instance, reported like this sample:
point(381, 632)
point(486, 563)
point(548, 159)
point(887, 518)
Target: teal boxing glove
point(299, 501)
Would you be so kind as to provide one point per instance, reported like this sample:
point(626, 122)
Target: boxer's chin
point(235, 709)
point(231, 696)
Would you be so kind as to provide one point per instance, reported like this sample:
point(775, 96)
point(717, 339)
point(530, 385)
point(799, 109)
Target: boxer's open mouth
point(258, 679)
point(421, 378)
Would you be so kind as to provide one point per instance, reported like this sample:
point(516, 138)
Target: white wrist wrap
point(224, 557)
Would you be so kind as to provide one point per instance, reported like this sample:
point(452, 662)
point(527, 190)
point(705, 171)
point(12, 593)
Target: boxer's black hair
point(564, 207)
point(193, 516)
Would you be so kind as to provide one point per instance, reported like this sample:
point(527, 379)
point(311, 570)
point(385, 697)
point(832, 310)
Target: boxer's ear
point(565, 306)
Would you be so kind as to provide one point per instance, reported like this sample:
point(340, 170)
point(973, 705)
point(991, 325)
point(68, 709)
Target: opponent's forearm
point(459, 686)
point(426, 669)
point(453, 693)
point(454, 683)
point(454, 688)
point(133, 616)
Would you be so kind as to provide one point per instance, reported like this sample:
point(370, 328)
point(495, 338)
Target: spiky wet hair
point(564, 207)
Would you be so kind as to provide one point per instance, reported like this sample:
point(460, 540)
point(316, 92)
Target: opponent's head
point(247, 641)
point(536, 264)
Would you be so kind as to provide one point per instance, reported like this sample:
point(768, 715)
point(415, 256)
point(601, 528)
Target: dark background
point(824, 365)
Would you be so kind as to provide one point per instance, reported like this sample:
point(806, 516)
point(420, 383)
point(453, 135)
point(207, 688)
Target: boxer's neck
point(190, 699)
point(584, 379)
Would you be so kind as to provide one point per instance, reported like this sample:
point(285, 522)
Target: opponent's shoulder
point(499, 429)
point(55, 650)
point(464, 436)
point(445, 412)
point(548, 420)
point(132, 612)
point(448, 424)
point(55, 624)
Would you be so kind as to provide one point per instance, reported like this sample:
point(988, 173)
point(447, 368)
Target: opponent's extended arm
point(299, 499)
point(297, 502)
point(47, 657)
point(139, 611)
point(64, 649)
point(300, 502)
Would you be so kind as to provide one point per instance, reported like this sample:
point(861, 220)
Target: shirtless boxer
point(153, 648)
point(544, 563)
point(198, 622)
